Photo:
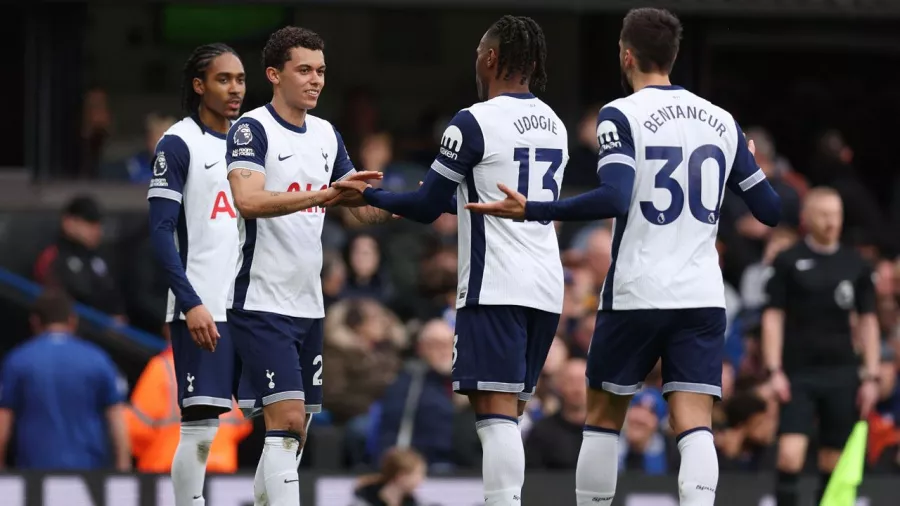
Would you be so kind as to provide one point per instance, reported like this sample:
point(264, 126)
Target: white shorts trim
point(622, 389)
point(697, 388)
point(203, 400)
point(290, 395)
point(494, 386)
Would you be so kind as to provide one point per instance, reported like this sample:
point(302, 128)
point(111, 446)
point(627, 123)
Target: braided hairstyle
point(523, 50)
point(195, 68)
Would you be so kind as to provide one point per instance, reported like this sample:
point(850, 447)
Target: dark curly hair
point(523, 50)
point(195, 68)
point(654, 35)
point(278, 48)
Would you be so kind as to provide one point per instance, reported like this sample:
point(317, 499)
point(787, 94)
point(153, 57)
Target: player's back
point(505, 262)
point(664, 252)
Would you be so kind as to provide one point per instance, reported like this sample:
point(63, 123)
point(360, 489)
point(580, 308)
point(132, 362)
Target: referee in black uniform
point(821, 300)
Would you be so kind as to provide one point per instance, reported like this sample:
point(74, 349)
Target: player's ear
point(198, 86)
point(491, 58)
point(628, 58)
point(272, 75)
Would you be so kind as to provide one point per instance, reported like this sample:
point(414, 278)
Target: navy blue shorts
point(204, 378)
point(627, 344)
point(281, 358)
point(501, 348)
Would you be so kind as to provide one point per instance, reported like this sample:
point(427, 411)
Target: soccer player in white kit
point(665, 157)
point(510, 292)
point(281, 162)
point(195, 239)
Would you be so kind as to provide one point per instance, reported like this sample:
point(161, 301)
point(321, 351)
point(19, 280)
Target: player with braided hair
point(538, 79)
point(522, 51)
point(510, 291)
point(190, 199)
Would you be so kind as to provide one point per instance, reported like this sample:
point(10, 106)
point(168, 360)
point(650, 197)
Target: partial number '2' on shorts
point(501, 348)
point(281, 358)
point(627, 345)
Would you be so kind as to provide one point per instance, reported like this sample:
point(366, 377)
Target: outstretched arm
point(615, 169)
point(462, 148)
point(254, 201)
point(423, 205)
point(245, 154)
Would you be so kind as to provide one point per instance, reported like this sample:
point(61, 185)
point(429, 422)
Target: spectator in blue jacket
point(65, 397)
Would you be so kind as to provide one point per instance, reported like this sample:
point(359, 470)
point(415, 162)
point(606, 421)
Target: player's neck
point(508, 86)
point(294, 116)
point(642, 80)
point(823, 247)
point(56, 328)
point(213, 121)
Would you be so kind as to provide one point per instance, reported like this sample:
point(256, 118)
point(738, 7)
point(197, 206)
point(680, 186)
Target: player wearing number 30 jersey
point(666, 157)
point(510, 290)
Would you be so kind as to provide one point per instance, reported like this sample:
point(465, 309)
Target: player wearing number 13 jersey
point(666, 157)
point(510, 291)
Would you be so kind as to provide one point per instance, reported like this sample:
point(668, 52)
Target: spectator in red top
point(75, 263)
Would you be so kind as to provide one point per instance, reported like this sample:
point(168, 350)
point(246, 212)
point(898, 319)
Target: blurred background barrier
point(97, 489)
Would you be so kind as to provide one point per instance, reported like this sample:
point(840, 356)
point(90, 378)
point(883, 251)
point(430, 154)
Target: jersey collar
point(206, 129)
point(518, 95)
point(669, 87)
point(281, 121)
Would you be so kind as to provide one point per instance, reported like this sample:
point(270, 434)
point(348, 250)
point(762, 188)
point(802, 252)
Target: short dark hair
point(195, 68)
point(84, 207)
point(278, 48)
point(523, 50)
point(52, 306)
point(654, 35)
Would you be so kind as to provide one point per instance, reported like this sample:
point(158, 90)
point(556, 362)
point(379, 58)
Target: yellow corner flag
point(848, 474)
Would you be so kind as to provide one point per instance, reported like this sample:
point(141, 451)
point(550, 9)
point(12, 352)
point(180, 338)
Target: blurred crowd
point(390, 302)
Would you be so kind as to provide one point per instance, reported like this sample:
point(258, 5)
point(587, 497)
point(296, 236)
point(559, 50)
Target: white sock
point(260, 498)
point(503, 464)
point(189, 463)
point(699, 473)
point(280, 469)
point(598, 467)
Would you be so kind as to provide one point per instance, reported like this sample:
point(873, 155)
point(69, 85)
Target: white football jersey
point(280, 263)
point(189, 167)
point(517, 140)
point(683, 150)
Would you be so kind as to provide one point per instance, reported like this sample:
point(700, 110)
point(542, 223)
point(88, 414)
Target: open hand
point(351, 186)
point(513, 206)
point(202, 327)
point(365, 175)
point(351, 197)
